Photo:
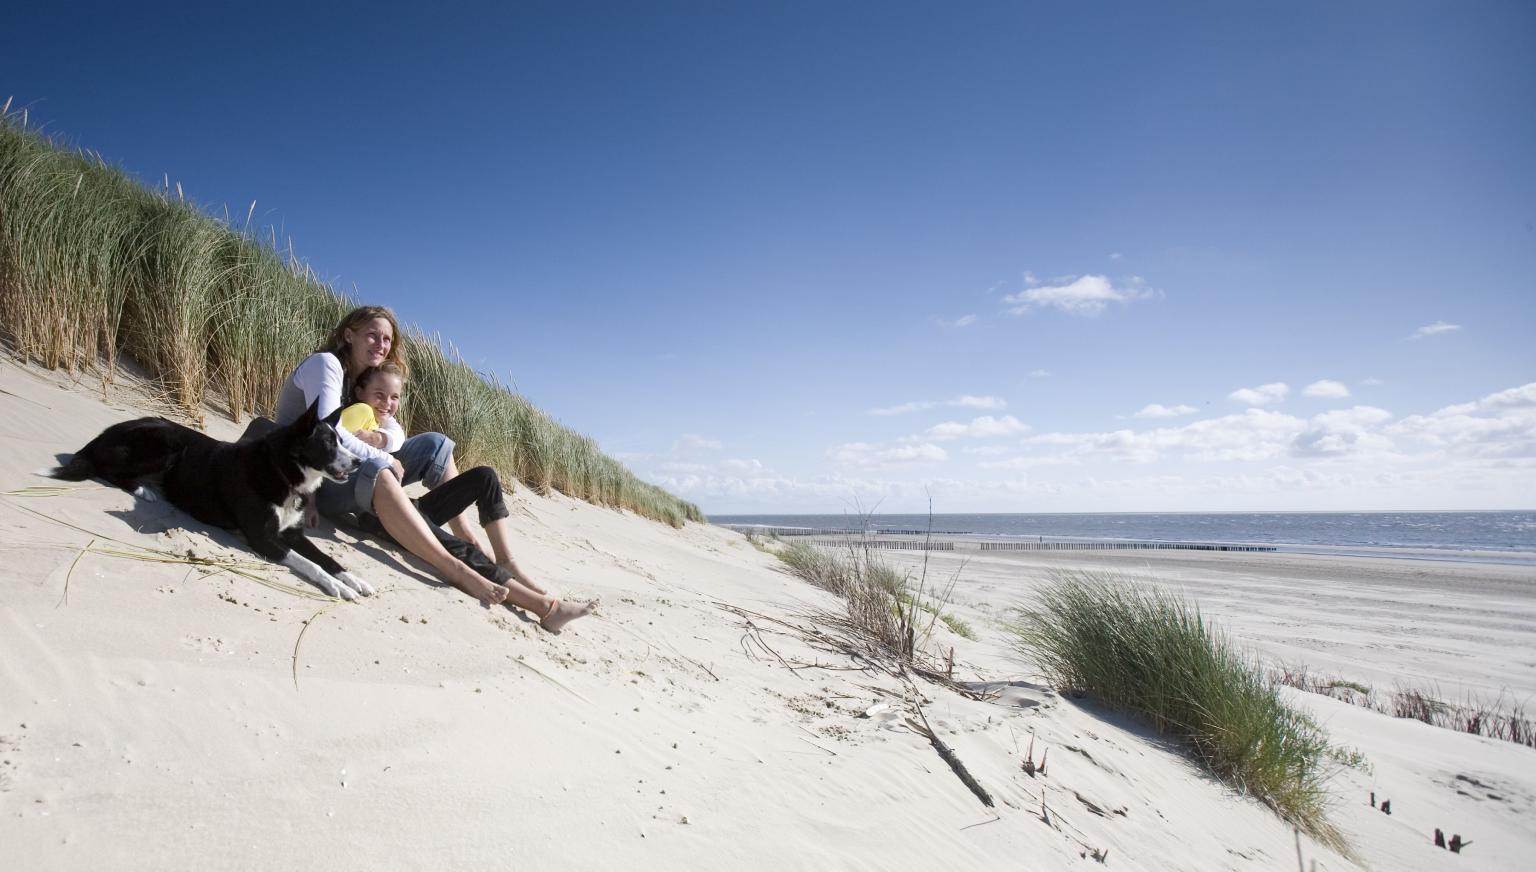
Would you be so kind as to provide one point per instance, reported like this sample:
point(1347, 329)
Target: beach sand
point(163, 719)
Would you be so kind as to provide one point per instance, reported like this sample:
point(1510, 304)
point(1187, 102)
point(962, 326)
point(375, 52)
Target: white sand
point(154, 722)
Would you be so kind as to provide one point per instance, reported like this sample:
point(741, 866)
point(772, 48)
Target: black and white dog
point(256, 486)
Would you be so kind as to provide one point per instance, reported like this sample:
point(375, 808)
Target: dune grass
point(1151, 654)
point(1498, 718)
point(94, 266)
point(881, 604)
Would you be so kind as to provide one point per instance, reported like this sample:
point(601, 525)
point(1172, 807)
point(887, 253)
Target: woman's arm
point(320, 379)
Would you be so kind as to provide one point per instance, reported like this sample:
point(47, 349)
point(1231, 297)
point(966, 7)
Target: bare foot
point(563, 612)
point(487, 593)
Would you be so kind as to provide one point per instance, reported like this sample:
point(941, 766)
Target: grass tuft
point(1497, 718)
point(882, 605)
point(1149, 653)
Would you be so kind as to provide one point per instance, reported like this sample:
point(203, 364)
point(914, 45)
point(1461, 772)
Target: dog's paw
point(344, 592)
point(143, 493)
point(356, 583)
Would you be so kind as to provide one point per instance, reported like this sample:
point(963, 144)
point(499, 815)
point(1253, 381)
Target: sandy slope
point(159, 720)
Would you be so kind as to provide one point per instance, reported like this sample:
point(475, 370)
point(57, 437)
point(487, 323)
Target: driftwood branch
point(948, 755)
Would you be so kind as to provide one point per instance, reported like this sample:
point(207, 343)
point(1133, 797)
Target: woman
point(365, 338)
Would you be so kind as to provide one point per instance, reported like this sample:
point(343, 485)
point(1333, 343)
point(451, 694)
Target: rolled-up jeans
point(424, 457)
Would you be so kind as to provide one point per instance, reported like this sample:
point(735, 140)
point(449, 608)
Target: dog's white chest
point(290, 513)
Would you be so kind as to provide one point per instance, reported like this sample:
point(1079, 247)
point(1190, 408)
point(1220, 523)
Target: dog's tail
point(79, 468)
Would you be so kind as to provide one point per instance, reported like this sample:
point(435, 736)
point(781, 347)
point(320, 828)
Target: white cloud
point(1326, 389)
point(1434, 329)
point(969, 402)
point(1370, 382)
point(1499, 426)
point(1252, 435)
point(1157, 410)
point(964, 401)
point(1345, 431)
point(1115, 255)
point(865, 454)
point(694, 440)
point(986, 450)
point(903, 409)
point(1263, 395)
point(1039, 373)
point(1083, 295)
point(983, 427)
point(1026, 462)
point(962, 321)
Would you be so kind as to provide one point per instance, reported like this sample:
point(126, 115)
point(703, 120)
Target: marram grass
point(1149, 653)
point(94, 265)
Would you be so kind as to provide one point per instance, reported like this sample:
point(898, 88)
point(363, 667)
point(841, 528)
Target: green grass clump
point(1149, 653)
point(94, 265)
point(881, 603)
point(958, 625)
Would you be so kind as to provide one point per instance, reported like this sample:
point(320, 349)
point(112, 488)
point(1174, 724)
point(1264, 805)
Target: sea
point(1509, 535)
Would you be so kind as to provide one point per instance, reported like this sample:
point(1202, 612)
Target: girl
point(377, 392)
point(372, 418)
point(366, 338)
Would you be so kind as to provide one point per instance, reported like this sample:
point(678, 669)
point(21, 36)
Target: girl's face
point(369, 343)
point(382, 392)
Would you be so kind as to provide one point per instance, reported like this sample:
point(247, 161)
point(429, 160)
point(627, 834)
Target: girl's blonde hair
point(337, 343)
point(388, 367)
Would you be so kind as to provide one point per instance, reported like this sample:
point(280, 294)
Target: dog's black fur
point(259, 486)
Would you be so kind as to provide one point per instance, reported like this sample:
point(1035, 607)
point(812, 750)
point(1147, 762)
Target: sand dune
point(161, 718)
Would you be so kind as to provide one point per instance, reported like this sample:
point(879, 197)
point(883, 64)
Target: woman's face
point(369, 343)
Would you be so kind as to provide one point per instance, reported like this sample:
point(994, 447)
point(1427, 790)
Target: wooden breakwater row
point(876, 539)
point(761, 530)
point(1116, 546)
point(898, 544)
point(923, 545)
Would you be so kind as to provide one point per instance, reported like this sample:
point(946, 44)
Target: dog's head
point(313, 444)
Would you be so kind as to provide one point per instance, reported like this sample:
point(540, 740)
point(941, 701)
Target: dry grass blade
point(215, 565)
point(40, 490)
point(298, 641)
point(540, 673)
point(64, 600)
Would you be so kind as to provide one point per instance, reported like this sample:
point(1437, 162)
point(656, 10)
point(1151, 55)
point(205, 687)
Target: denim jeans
point(424, 456)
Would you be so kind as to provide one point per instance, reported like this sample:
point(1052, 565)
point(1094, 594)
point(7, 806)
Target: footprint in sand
point(10, 748)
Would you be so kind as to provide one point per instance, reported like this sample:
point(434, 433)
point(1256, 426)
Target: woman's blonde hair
point(337, 344)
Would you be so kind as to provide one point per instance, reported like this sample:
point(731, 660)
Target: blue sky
point(793, 257)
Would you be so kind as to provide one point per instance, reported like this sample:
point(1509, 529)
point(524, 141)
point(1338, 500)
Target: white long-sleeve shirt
point(394, 434)
point(319, 379)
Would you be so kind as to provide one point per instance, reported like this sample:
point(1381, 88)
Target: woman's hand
point(374, 438)
point(398, 470)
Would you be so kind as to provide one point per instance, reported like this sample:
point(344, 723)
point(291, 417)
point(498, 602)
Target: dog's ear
point(310, 416)
point(334, 417)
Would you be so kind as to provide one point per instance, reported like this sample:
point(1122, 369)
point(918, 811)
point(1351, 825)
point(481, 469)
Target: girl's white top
point(319, 379)
point(394, 434)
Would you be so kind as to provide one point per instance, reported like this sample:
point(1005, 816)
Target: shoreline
point(1510, 556)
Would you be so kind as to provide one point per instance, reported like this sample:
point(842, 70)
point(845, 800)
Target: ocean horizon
point(1491, 530)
